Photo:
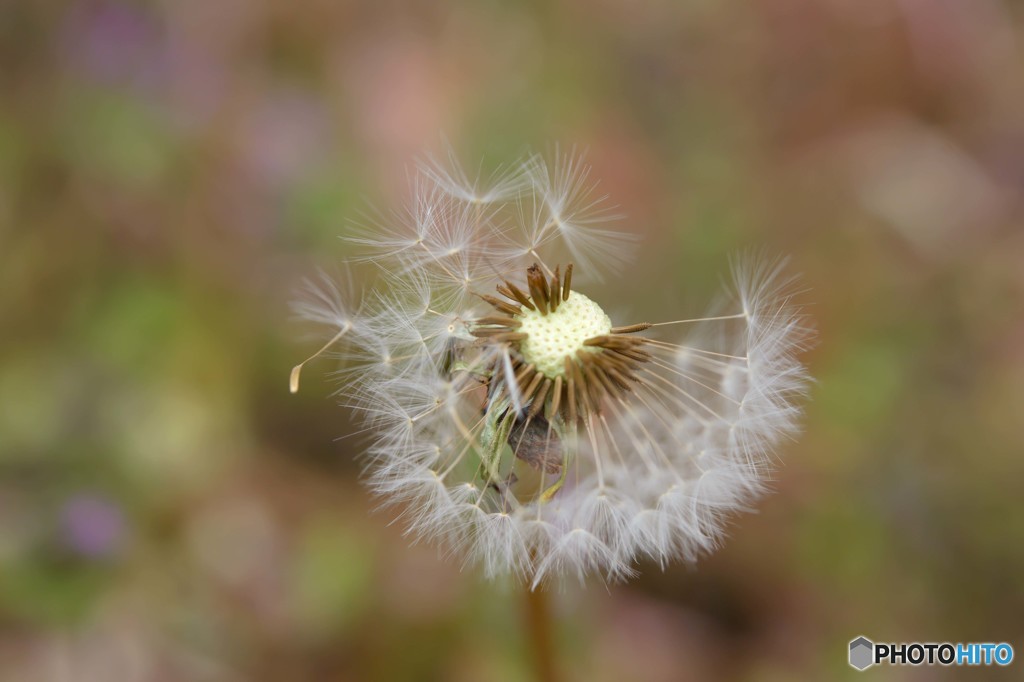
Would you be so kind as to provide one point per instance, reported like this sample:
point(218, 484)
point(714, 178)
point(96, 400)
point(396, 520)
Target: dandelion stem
point(538, 633)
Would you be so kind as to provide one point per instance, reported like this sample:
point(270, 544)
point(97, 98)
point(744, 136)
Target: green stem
point(539, 632)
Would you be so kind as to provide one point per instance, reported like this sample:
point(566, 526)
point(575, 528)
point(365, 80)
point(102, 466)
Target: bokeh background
point(169, 171)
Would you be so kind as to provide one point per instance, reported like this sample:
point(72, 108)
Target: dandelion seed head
point(517, 423)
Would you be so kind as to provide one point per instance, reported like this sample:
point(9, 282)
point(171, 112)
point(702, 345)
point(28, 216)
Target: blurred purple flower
point(283, 135)
point(115, 43)
point(92, 526)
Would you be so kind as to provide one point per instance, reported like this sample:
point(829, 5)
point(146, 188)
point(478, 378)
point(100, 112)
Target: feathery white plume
point(514, 421)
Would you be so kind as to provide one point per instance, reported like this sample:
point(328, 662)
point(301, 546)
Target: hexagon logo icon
point(862, 652)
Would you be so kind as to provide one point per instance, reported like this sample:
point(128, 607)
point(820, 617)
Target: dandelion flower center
point(560, 334)
point(558, 350)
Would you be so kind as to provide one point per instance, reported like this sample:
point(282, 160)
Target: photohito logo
point(864, 653)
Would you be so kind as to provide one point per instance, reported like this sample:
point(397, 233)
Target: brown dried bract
point(536, 443)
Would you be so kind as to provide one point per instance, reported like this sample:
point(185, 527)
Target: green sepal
point(498, 421)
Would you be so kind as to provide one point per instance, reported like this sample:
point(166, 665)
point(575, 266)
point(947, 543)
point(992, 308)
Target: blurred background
point(169, 171)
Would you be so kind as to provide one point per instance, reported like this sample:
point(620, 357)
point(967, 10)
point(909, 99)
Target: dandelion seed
point(516, 422)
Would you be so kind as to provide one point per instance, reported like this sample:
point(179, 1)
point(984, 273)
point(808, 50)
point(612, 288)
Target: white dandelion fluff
point(519, 425)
